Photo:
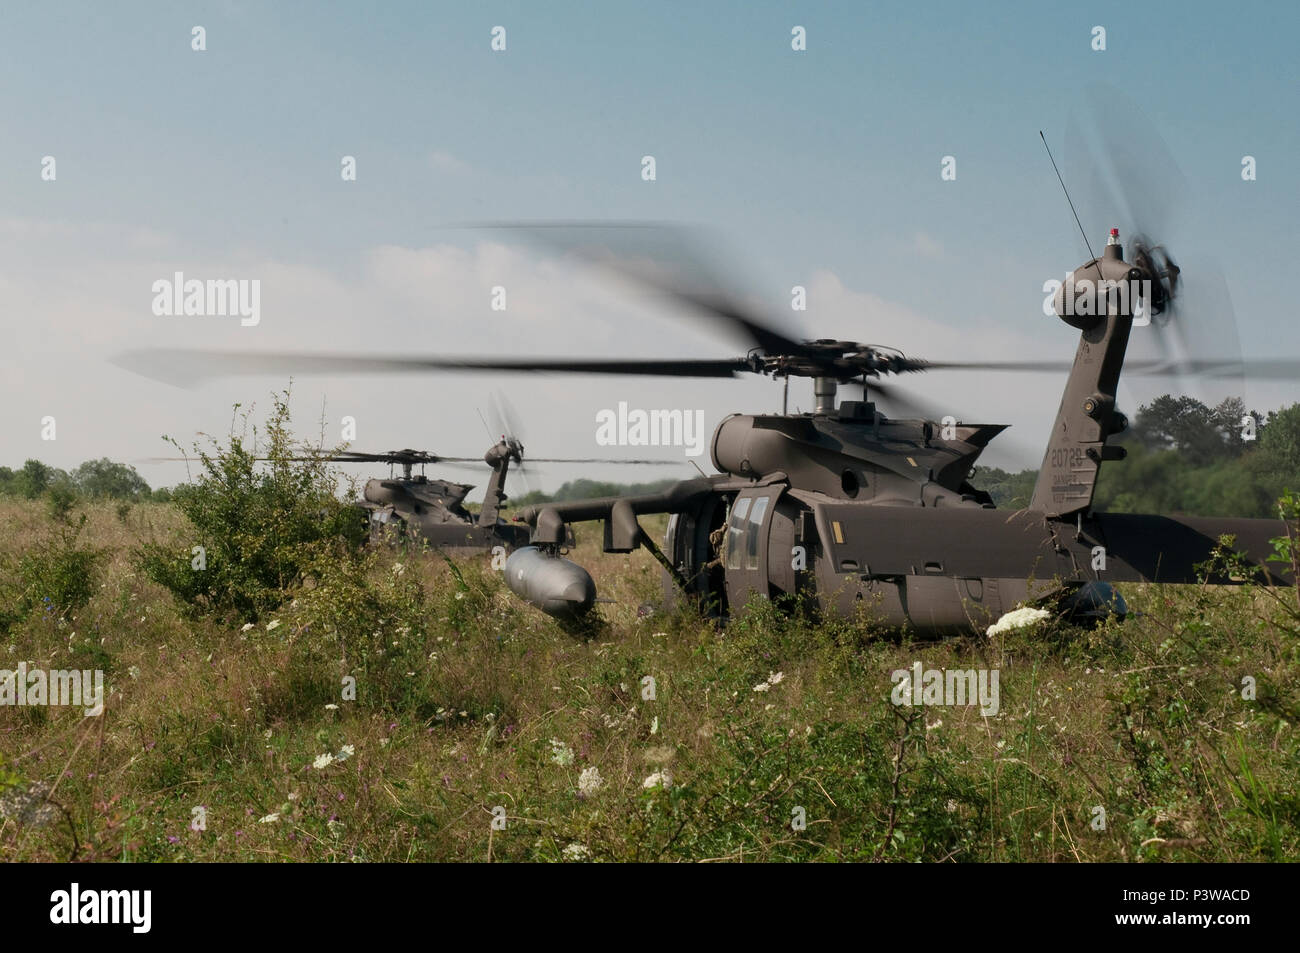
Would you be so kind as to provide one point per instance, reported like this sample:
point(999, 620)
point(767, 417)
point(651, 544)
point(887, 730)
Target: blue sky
point(820, 168)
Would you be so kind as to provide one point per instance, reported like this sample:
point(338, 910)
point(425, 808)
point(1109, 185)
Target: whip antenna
point(1071, 201)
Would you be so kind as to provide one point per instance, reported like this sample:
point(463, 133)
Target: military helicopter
point(432, 511)
point(848, 508)
point(414, 507)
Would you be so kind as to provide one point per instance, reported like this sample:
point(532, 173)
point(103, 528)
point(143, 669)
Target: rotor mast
point(824, 389)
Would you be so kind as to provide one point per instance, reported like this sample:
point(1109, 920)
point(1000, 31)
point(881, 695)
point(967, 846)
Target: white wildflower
point(331, 707)
point(576, 852)
point(654, 726)
point(660, 779)
point(775, 678)
point(134, 671)
point(273, 625)
point(398, 569)
point(247, 626)
point(269, 819)
point(590, 781)
point(1018, 619)
point(323, 761)
point(561, 753)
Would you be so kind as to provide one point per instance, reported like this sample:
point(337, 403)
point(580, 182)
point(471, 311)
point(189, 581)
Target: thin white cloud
point(447, 164)
point(927, 245)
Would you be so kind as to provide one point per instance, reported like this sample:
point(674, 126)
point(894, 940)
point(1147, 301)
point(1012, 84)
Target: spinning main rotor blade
point(603, 460)
point(671, 260)
point(185, 367)
point(439, 461)
point(1258, 368)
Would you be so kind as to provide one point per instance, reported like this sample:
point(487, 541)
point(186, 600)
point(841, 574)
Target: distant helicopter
point(413, 507)
point(432, 511)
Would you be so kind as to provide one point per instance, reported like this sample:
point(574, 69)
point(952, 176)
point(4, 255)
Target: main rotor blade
point(331, 458)
point(184, 367)
point(669, 259)
point(616, 462)
point(899, 404)
point(1259, 368)
point(438, 461)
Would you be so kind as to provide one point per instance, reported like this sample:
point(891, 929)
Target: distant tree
point(34, 479)
point(8, 482)
point(1279, 441)
point(1011, 491)
point(1201, 434)
point(104, 478)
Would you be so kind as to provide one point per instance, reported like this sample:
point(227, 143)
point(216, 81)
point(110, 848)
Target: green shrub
point(254, 518)
point(56, 576)
point(60, 499)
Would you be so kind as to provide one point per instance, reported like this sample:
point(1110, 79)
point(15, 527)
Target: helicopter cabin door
point(745, 550)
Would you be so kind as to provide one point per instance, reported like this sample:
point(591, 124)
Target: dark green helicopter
point(414, 507)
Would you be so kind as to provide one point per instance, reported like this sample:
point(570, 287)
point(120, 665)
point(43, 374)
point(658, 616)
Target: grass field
point(774, 739)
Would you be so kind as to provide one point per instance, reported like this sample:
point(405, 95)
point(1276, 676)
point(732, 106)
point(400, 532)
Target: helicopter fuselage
point(852, 511)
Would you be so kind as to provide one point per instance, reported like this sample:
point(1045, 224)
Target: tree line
point(95, 479)
point(1187, 458)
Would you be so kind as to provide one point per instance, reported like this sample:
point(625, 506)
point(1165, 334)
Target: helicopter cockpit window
point(736, 532)
point(755, 532)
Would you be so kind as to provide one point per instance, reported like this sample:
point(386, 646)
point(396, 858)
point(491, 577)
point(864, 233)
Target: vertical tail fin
point(1098, 298)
